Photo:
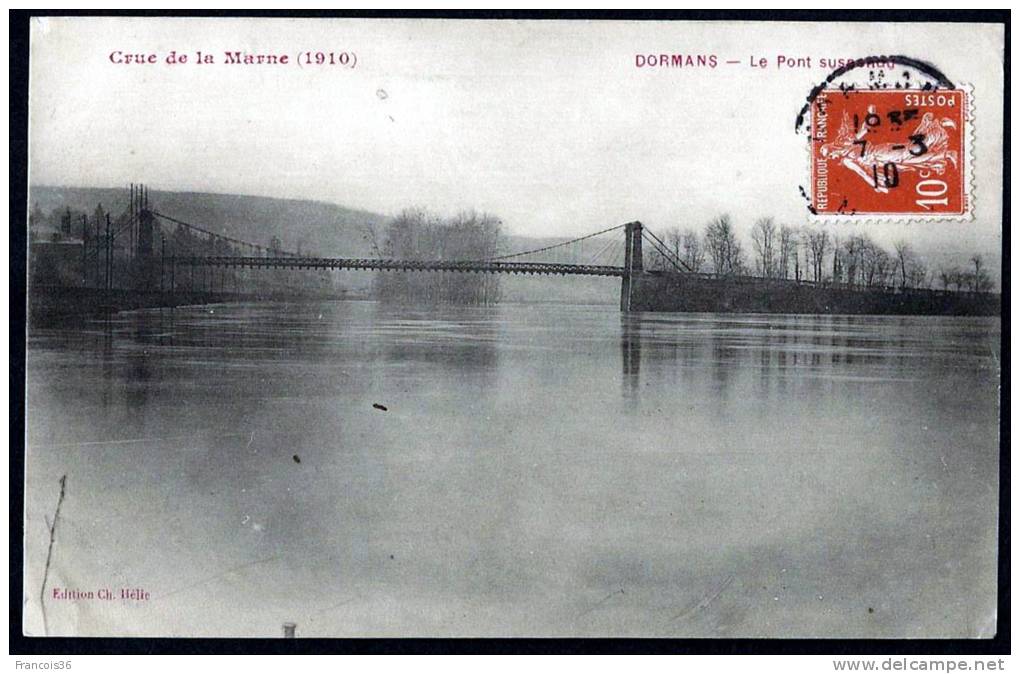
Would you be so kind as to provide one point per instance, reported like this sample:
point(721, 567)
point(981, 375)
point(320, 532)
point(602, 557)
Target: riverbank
point(55, 302)
point(660, 291)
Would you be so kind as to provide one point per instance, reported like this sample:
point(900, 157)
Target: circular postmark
point(887, 137)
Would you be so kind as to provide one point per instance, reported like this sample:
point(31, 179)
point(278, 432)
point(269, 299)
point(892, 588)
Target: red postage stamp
point(898, 153)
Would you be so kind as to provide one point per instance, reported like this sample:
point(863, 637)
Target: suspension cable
point(664, 251)
point(595, 257)
point(490, 259)
point(557, 245)
point(218, 236)
point(664, 255)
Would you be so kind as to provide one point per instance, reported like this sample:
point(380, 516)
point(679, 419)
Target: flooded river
point(549, 470)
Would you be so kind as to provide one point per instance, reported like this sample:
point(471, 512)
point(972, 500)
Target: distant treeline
point(811, 254)
point(419, 235)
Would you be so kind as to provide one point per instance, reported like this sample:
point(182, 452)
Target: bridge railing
point(379, 264)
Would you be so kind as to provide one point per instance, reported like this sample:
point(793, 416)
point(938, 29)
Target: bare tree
point(837, 265)
point(817, 249)
point(850, 259)
point(951, 276)
point(876, 264)
point(369, 235)
point(672, 240)
point(691, 251)
point(763, 237)
point(917, 274)
point(667, 258)
point(723, 248)
point(979, 279)
point(944, 276)
point(788, 243)
point(904, 259)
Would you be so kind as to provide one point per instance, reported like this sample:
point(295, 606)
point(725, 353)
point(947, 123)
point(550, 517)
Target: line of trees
point(780, 251)
point(419, 235)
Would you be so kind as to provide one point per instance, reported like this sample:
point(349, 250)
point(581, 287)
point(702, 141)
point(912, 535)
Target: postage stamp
point(890, 152)
point(888, 138)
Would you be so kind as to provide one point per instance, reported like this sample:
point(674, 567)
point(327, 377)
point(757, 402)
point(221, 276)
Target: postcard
point(463, 327)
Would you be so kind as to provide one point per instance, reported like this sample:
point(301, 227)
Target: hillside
point(327, 229)
point(313, 227)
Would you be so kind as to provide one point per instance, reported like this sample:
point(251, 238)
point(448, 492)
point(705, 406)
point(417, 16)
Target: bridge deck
point(483, 267)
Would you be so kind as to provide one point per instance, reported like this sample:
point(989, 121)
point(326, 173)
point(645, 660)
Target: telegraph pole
point(109, 255)
point(162, 262)
point(99, 243)
point(84, 250)
point(131, 223)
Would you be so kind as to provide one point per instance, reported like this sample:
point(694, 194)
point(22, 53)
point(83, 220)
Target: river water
point(549, 470)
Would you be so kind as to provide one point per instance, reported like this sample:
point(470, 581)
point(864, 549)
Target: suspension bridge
point(144, 257)
point(158, 243)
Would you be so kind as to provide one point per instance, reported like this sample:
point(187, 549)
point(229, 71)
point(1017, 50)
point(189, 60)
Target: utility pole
point(131, 222)
point(162, 261)
point(109, 254)
point(84, 250)
point(99, 243)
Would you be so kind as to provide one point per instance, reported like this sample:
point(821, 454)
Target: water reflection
point(455, 339)
point(794, 350)
point(524, 464)
point(630, 350)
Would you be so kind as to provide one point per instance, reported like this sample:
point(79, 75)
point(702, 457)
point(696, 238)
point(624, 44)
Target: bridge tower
point(146, 235)
point(633, 261)
point(145, 243)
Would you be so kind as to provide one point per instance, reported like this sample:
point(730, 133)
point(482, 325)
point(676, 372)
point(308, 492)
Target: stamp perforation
point(966, 171)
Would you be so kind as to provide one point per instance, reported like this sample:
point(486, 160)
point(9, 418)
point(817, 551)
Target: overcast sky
point(547, 124)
